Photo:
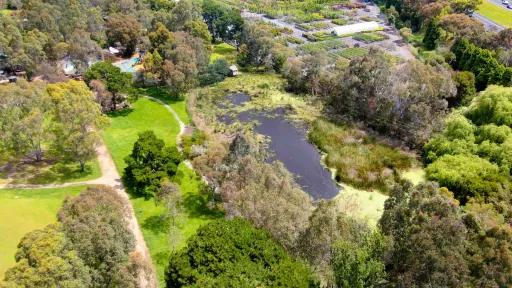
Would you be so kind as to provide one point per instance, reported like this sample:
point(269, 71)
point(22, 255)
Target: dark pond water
point(289, 145)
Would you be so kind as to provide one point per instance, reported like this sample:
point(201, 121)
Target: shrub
point(468, 176)
point(216, 72)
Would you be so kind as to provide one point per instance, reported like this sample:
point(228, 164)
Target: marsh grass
point(357, 158)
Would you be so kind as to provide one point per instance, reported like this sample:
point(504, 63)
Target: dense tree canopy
point(149, 163)
point(232, 253)
point(406, 101)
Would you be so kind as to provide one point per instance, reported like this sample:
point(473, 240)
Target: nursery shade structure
point(355, 28)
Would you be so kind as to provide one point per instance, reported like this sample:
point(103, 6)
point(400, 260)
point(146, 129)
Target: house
point(355, 28)
point(233, 71)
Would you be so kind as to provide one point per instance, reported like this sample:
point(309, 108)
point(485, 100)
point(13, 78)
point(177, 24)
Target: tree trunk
point(82, 165)
point(114, 101)
point(38, 153)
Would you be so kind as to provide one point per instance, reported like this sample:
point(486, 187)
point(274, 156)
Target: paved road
point(488, 23)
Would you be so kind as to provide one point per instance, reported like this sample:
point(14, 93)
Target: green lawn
point(60, 172)
point(497, 13)
point(177, 103)
point(23, 210)
point(119, 138)
point(155, 226)
point(223, 50)
point(126, 125)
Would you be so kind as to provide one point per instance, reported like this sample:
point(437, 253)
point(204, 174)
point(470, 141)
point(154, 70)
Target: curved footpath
point(110, 176)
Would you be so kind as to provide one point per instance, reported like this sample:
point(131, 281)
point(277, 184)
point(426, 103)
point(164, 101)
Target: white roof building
point(355, 28)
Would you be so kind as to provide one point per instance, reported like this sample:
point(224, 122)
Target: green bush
point(232, 253)
point(468, 176)
point(493, 106)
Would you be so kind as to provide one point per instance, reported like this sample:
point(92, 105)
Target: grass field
point(119, 138)
point(366, 205)
point(155, 226)
point(23, 210)
point(225, 51)
point(126, 125)
point(177, 103)
point(45, 173)
point(497, 13)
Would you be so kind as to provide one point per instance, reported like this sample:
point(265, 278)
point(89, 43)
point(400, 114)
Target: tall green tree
point(95, 224)
point(123, 29)
point(149, 164)
point(77, 119)
point(45, 258)
point(115, 81)
point(232, 253)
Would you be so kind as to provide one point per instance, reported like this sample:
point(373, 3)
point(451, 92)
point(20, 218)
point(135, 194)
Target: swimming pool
point(127, 65)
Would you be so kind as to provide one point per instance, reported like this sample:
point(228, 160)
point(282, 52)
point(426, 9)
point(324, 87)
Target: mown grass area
point(176, 102)
point(223, 51)
point(50, 173)
point(24, 210)
point(126, 125)
point(119, 138)
point(358, 159)
point(497, 13)
point(156, 227)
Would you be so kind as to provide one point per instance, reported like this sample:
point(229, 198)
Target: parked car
point(509, 6)
point(504, 2)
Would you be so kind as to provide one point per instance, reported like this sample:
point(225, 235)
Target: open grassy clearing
point(119, 138)
point(155, 226)
point(223, 51)
point(176, 102)
point(126, 125)
point(24, 210)
point(366, 205)
point(46, 172)
point(496, 13)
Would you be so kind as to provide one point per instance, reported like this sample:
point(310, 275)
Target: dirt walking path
point(110, 176)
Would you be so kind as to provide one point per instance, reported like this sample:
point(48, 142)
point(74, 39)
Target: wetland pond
point(288, 144)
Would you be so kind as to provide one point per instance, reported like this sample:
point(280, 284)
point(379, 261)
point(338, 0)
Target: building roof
point(355, 28)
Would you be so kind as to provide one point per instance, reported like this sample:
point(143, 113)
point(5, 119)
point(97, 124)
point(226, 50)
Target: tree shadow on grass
point(197, 206)
point(163, 93)
point(47, 172)
point(120, 113)
point(156, 224)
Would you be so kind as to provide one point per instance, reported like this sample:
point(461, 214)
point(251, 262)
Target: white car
point(504, 2)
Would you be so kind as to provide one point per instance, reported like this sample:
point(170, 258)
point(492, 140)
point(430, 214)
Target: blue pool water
point(127, 65)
